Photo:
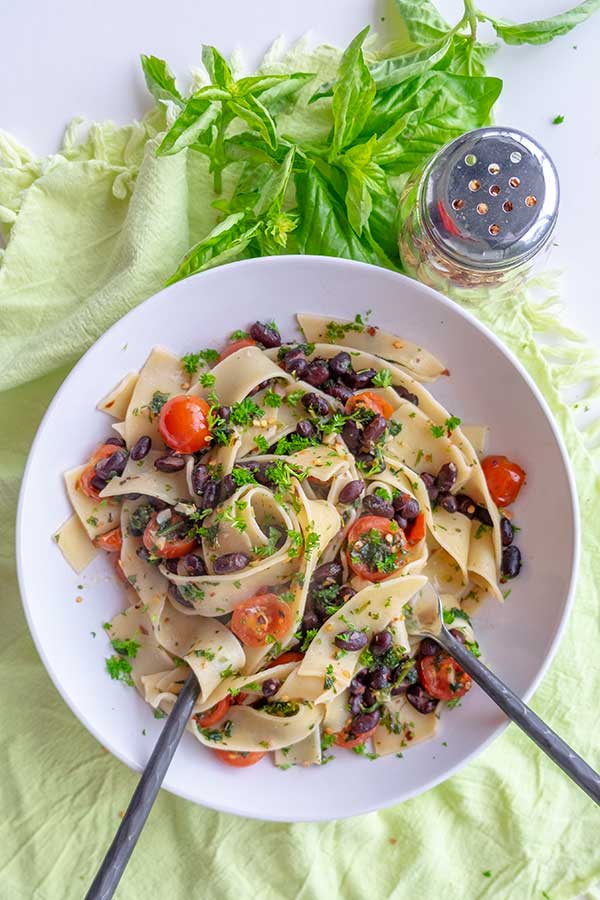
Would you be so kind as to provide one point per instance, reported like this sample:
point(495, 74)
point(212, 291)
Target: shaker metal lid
point(489, 199)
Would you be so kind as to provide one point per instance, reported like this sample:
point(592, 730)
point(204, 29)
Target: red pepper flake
point(372, 330)
point(446, 372)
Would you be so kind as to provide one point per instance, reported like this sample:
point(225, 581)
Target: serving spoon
point(428, 621)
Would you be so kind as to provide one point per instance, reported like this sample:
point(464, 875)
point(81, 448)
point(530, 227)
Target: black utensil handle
point(114, 863)
point(553, 745)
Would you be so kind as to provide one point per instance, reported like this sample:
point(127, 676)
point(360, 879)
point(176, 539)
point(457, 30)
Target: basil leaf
point(273, 192)
point(281, 97)
point(224, 243)
point(468, 57)
point(257, 116)
point(390, 72)
point(196, 118)
point(353, 94)
point(423, 21)
point(361, 174)
point(160, 80)
point(544, 30)
point(211, 92)
point(217, 67)
point(324, 229)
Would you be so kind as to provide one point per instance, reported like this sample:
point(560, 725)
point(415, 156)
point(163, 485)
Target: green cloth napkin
point(92, 231)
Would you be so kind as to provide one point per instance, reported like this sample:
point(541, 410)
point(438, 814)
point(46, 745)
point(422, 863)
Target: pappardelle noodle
point(273, 511)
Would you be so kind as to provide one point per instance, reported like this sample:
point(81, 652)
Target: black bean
point(361, 379)
point(226, 488)
point(262, 476)
point(115, 441)
point(224, 412)
point(428, 647)
point(316, 404)
point(354, 704)
point(369, 698)
point(194, 565)
point(345, 594)
point(318, 372)
point(157, 503)
point(351, 436)
point(356, 686)
point(171, 565)
point(400, 521)
point(176, 595)
point(340, 364)
point(259, 387)
point(446, 477)
point(173, 462)
point(377, 506)
point(466, 506)
point(365, 722)
point(305, 428)
point(338, 391)
point(270, 687)
point(98, 483)
point(506, 532)
point(143, 553)
point(351, 640)
point(483, 516)
point(429, 482)
point(459, 635)
point(418, 697)
point(406, 506)
point(400, 687)
point(351, 491)
point(511, 562)
point(209, 494)
point(373, 432)
point(310, 620)
point(266, 334)
point(295, 363)
point(331, 571)
point(448, 502)
point(199, 477)
point(381, 643)
point(367, 461)
point(141, 448)
point(230, 562)
point(112, 465)
point(406, 395)
point(379, 678)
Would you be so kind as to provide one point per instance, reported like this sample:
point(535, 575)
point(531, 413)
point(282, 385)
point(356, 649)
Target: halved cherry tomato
point(372, 401)
point(343, 739)
point(183, 423)
point(111, 541)
point(416, 531)
point(171, 544)
point(504, 477)
point(214, 714)
point(259, 619)
point(238, 759)
point(234, 346)
point(288, 657)
point(387, 556)
point(442, 677)
point(239, 698)
point(85, 479)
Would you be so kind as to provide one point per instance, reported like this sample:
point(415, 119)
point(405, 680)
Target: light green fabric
point(92, 232)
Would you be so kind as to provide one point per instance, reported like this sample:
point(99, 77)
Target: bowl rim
point(445, 303)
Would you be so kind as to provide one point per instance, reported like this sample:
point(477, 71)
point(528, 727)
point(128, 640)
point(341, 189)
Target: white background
point(80, 57)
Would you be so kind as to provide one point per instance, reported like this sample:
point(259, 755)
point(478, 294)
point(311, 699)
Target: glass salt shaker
point(484, 208)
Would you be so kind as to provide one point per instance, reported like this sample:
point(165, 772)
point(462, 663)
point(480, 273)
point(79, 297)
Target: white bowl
point(487, 385)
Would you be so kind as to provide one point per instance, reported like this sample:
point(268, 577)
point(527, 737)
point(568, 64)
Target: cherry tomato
point(238, 759)
point(504, 479)
point(262, 617)
point(172, 543)
point(288, 657)
point(416, 531)
point(372, 401)
point(85, 479)
point(111, 541)
point(442, 677)
point(214, 714)
point(387, 556)
point(239, 699)
point(234, 346)
point(183, 423)
point(343, 739)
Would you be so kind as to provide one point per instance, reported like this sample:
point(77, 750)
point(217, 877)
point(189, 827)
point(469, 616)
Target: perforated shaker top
point(490, 198)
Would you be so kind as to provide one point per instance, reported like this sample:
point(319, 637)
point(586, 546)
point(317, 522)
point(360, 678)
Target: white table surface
point(74, 57)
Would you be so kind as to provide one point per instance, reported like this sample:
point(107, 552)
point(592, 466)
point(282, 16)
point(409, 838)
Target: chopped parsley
point(272, 399)
point(215, 734)
point(294, 397)
point(437, 431)
point(205, 654)
point(280, 473)
point(207, 379)
point(228, 672)
point(191, 361)
point(242, 475)
point(156, 404)
point(270, 547)
point(376, 553)
point(126, 647)
point(296, 544)
point(452, 424)
point(159, 714)
point(455, 613)
point(557, 120)
point(239, 335)
point(361, 750)
point(329, 679)
point(262, 444)
point(487, 874)
point(244, 412)
point(93, 521)
point(293, 443)
point(337, 331)
point(191, 592)
point(281, 708)
point(306, 639)
point(383, 378)
point(119, 669)
point(311, 542)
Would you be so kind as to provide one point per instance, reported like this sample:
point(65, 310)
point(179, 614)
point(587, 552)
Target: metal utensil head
point(427, 612)
point(489, 199)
